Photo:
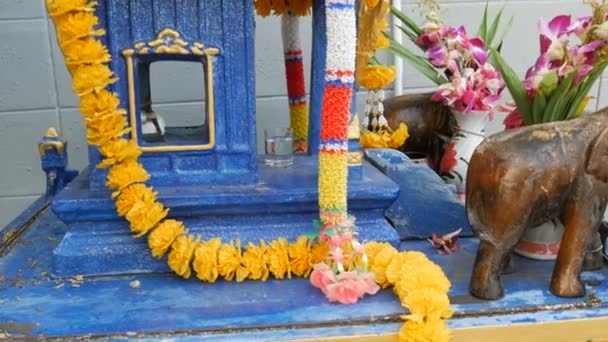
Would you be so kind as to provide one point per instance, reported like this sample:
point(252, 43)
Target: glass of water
point(279, 147)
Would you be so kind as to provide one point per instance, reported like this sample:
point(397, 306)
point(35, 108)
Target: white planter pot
point(542, 242)
point(469, 133)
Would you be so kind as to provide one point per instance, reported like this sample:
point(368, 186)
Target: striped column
point(296, 83)
point(335, 111)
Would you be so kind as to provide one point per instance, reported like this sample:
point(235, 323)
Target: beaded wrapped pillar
point(296, 84)
point(339, 79)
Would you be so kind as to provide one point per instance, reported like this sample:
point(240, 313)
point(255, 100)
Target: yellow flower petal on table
point(393, 270)
point(205, 262)
point(399, 136)
point(277, 258)
point(373, 140)
point(85, 51)
point(102, 129)
point(117, 151)
point(434, 331)
point(263, 7)
point(76, 25)
point(163, 236)
point(57, 8)
point(254, 263)
point(376, 77)
point(318, 252)
point(299, 257)
point(427, 304)
point(89, 78)
point(99, 103)
point(182, 252)
point(229, 260)
point(380, 262)
point(144, 216)
point(421, 274)
point(133, 194)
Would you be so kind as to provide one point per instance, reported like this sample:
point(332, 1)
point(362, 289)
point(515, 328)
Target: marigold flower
point(163, 236)
point(372, 3)
point(300, 7)
point(91, 78)
point(76, 25)
point(318, 252)
point(433, 331)
point(125, 174)
point(229, 260)
point(182, 252)
point(420, 273)
point(393, 270)
point(102, 129)
point(376, 77)
point(254, 264)
point(205, 262)
point(118, 151)
point(379, 263)
point(99, 103)
point(373, 248)
point(299, 257)
point(85, 51)
point(427, 304)
point(277, 258)
point(144, 216)
point(382, 42)
point(57, 8)
point(132, 194)
point(263, 7)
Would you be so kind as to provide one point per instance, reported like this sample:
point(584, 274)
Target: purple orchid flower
point(537, 73)
point(550, 34)
point(479, 52)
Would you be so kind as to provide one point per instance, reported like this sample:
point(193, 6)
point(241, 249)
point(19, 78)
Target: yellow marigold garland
point(421, 285)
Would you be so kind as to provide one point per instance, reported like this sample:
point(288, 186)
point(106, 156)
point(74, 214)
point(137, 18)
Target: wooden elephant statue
point(522, 178)
point(430, 124)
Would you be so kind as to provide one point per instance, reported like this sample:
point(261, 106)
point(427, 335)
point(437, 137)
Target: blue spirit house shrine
point(211, 177)
point(207, 173)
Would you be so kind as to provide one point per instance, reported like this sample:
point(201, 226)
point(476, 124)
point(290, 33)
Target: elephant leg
point(581, 225)
point(493, 259)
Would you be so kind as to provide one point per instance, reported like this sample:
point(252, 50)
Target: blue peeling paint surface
point(165, 305)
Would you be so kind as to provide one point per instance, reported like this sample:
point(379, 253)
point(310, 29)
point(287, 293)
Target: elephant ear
point(597, 157)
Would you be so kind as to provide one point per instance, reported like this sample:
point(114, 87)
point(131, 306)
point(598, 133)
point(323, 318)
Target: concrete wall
point(35, 87)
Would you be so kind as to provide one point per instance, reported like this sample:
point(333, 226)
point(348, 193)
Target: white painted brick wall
point(35, 87)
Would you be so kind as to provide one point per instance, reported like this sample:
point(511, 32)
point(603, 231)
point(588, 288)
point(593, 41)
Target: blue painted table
point(33, 303)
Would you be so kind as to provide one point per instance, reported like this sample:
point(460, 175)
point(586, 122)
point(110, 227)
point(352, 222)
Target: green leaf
point(516, 88)
point(419, 63)
point(504, 33)
point(312, 235)
point(406, 21)
point(538, 108)
point(494, 27)
point(411, 35)
point(483, 28)
point(555, 104)
point(586, 86)
point(549, 83)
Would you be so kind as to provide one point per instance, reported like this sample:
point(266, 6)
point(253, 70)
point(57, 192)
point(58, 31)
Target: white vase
point(542, 242)
point(469, 132)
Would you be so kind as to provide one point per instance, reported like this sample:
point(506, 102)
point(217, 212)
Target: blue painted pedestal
point(282, 204)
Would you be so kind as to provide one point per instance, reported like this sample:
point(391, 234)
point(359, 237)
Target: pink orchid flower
point(537, 73)
point(580, 27)
point(368, 282)
point(550, 34)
